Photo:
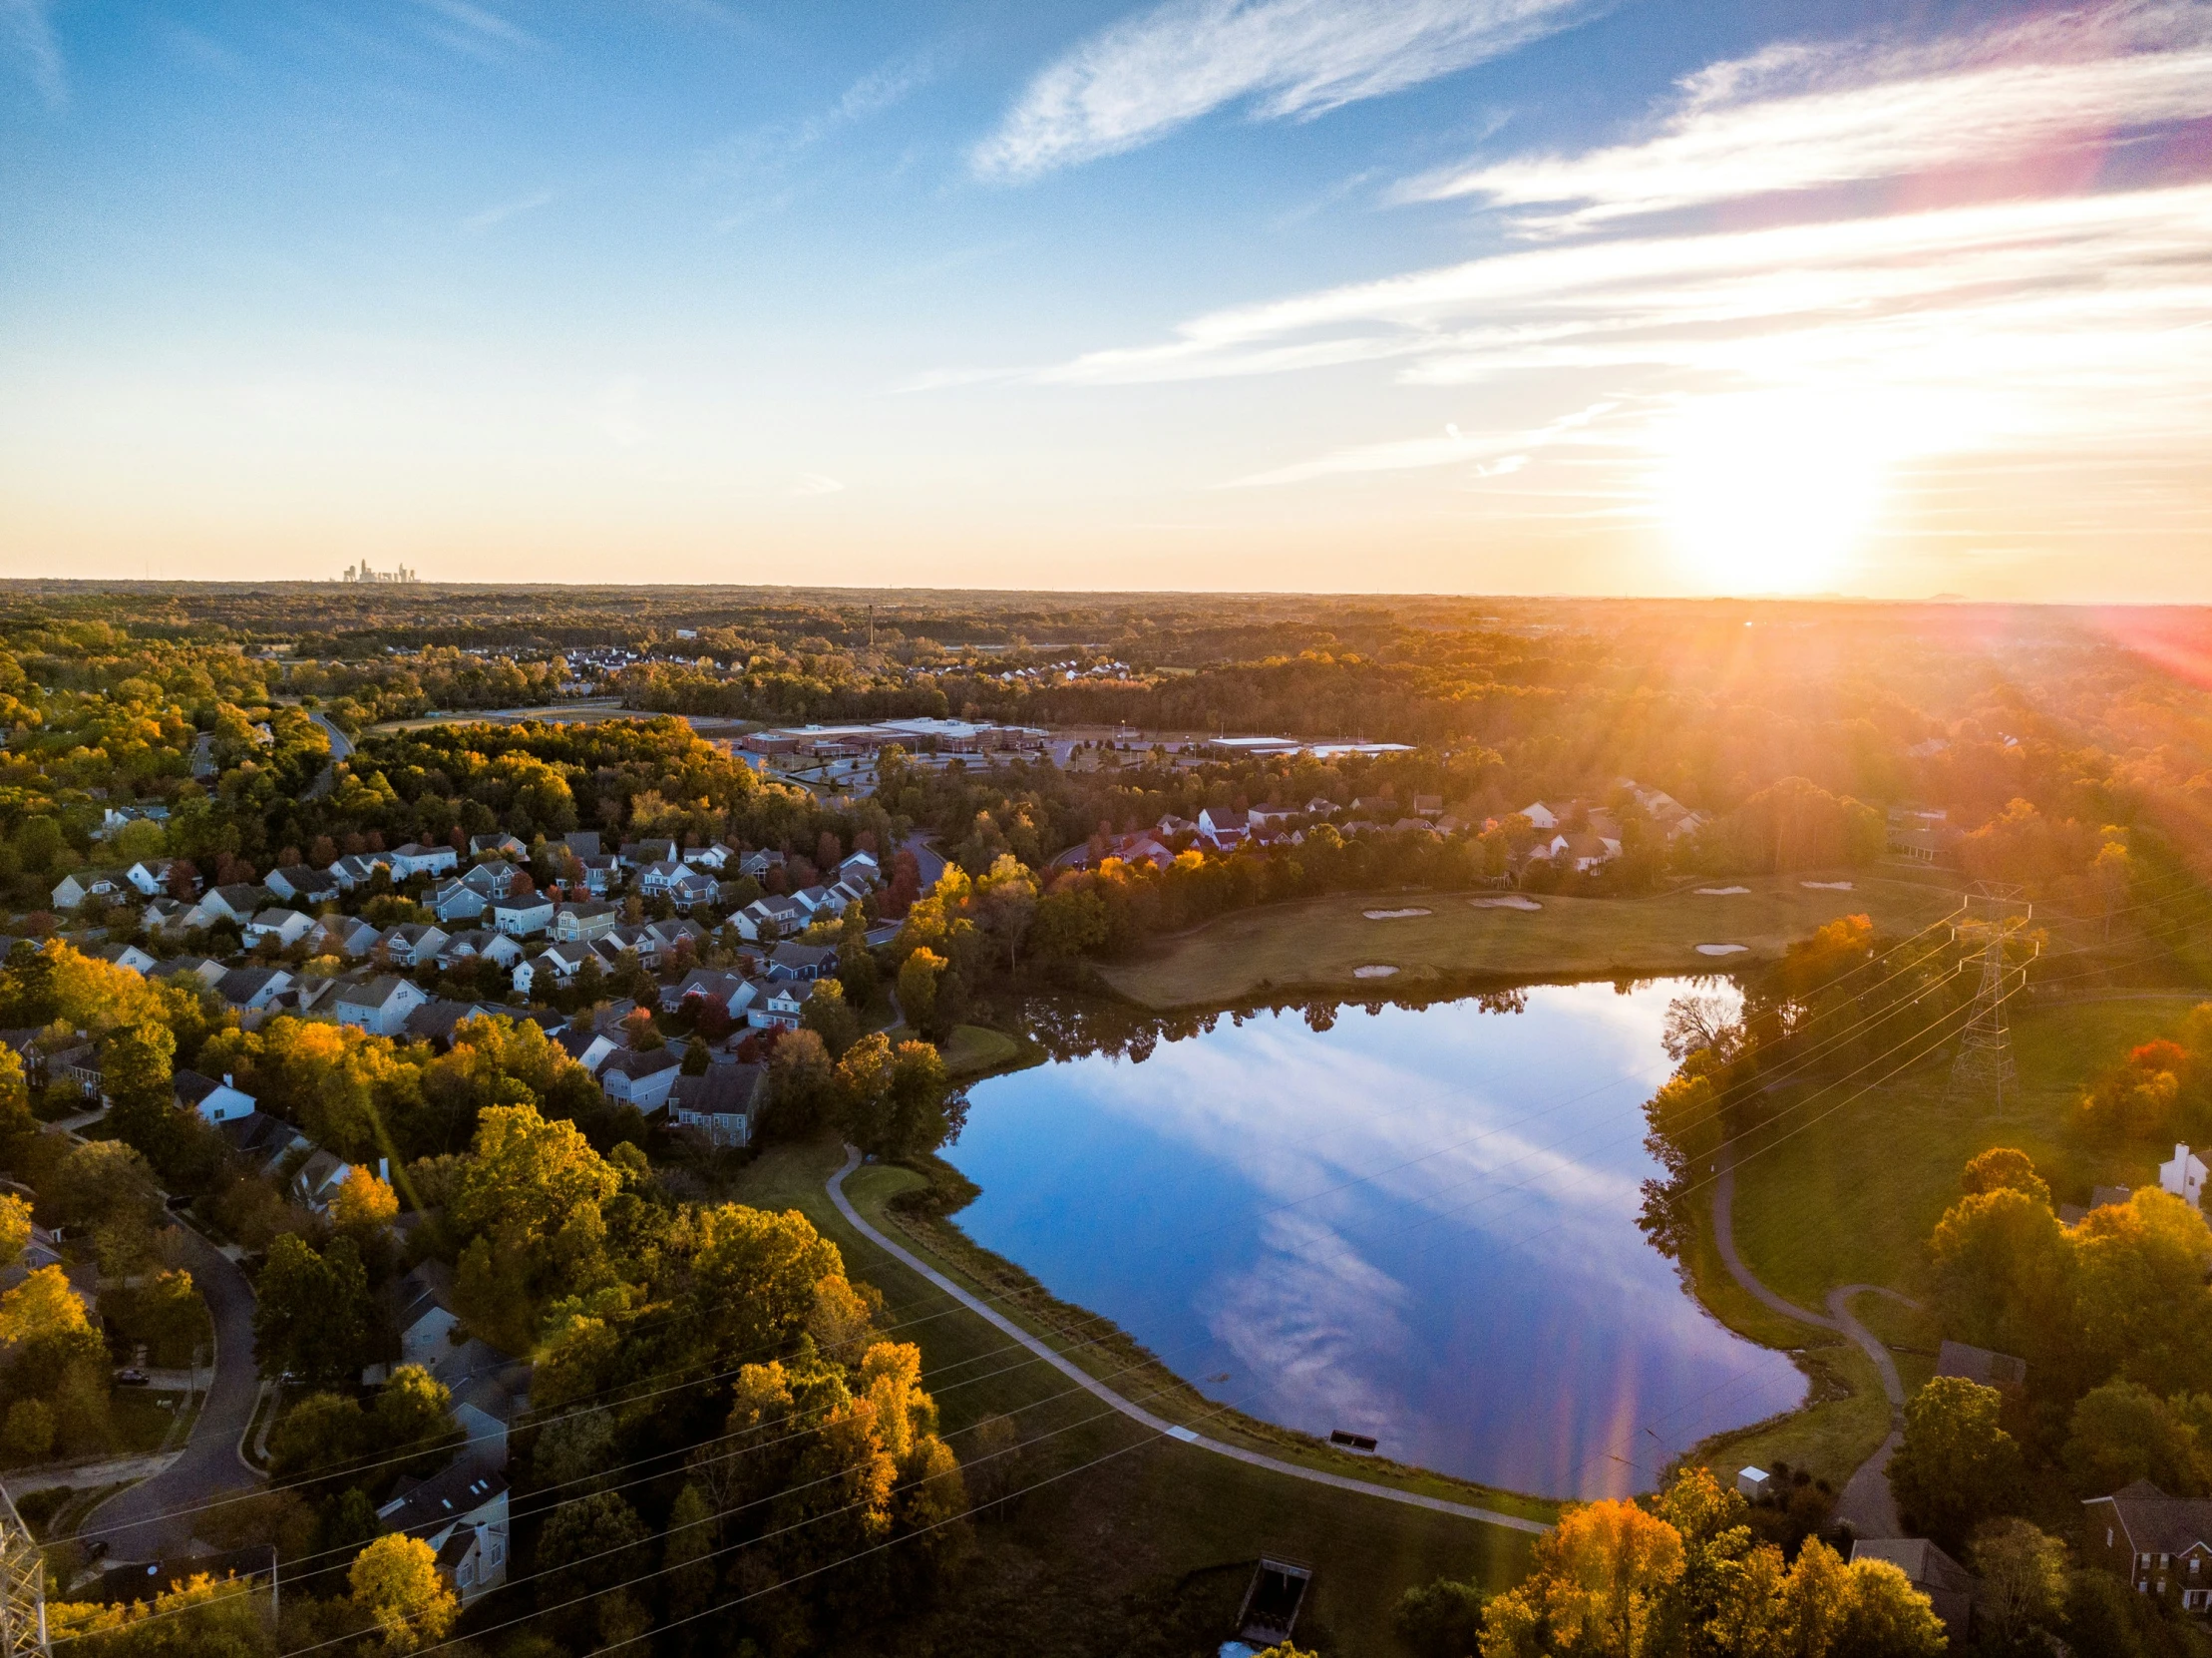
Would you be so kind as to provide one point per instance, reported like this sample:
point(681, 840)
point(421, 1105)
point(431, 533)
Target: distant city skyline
point(1540, 296)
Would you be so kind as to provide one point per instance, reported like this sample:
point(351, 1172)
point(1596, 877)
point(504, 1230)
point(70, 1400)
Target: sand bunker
point(1723, 949)
point(1720, 892)
point(1391, 915)
point(1826, 885)
point(1512, 900)
point(1372, 971)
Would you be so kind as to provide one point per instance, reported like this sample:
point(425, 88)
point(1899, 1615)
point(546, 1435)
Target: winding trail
point(1137, 1413)
point(1865, 1502)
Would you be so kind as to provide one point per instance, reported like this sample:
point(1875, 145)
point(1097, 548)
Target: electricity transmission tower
point(1984, 1068)
point(22, 1588)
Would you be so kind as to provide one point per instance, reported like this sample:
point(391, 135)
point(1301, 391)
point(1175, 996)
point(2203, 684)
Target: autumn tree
point(399, 1590)
point(1956, 1465)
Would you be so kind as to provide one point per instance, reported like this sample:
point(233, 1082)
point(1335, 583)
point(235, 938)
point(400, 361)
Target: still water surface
point(1419, 1224)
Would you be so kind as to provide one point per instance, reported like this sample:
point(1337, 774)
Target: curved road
point(155, 1517)
point(1865, 1501)
point(1137, 1413)
point(341, 748)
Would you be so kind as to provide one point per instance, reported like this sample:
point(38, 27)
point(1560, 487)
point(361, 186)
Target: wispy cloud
point(763, 160)
point(1152, 73)
point(501, 212)
point(1800, 117)
point(816, 482)
point(476, 30)
point(27, 27)
point(1488, 454)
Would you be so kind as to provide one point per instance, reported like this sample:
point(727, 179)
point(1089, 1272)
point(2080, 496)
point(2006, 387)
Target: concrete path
point(1137, 1413)
point(85, 1476)
point(156, 1517)
point(1865, 1500)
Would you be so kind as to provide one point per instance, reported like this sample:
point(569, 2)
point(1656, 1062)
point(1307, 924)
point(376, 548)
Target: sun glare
point(1770, 494)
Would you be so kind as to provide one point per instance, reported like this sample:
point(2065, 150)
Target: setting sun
point(1769, 493)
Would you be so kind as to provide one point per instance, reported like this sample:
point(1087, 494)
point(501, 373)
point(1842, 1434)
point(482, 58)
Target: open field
point(1317, 945)
point(1147, 1552)
point(1852, 1198)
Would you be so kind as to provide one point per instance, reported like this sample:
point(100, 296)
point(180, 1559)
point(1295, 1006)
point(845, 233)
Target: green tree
point(1442, 1619)
point(399, 1590)
point(918, 989)
point(2002, 1168)
point(2023, 1580)
point(324, 1432)
point(2123, 1432)
point(414, 1409)
point(921, 1116)
point(828, 1017)
point(1956, 1467)
point(802, 1086)
point(314, 1315)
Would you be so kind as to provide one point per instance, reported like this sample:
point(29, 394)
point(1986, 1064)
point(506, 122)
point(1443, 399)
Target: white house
point(522, 916)
point(462, 1513)
point(347, 936)
point(411, 943)
point(358, 869)
point(381, 1003)
point(2184, 1176)
point(287, 927)
point(300, 884)
point(498, 841)
point(1222, 828)
point(575, 923)
point(556, 964)
point(234, 903)
point(128, 956)
point(214, 1101)
point(780, 1008)
point(73, 888)
point(151, 875)
point(417, 859)
point(1540, 815)
point(480, 943)
point(494, 878)
point(729, 991)
point(642, 1079)
point(785, 914)
point(861, 869)
point(317, 1181)
point(251, 990)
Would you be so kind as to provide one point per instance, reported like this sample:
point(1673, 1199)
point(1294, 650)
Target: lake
point(1419, 1224)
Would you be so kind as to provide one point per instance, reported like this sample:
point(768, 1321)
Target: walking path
point(1137, 1413)
point(1866, 1501)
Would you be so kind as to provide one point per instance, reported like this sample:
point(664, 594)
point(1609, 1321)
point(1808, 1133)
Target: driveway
point(156, 1517)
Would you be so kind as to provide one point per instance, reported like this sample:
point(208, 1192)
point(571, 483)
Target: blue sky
point(1446, 295)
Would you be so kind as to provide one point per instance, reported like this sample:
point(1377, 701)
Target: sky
point(1540, 297)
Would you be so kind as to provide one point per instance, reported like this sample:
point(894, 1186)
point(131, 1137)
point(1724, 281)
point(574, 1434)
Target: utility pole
point(1985, 1068)
point(22, 1588)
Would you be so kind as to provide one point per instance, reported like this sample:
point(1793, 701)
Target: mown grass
point(1315, 944)
point(1851, 1197)
point(1144, 1545)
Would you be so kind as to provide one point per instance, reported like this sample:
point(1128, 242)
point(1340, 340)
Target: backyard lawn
point(1317, 945)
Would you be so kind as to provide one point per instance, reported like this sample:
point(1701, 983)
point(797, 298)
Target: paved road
point(1865, 1500)
point(1136, 1413)
point(341, 748)
point(928, 862)
point(147, 1522)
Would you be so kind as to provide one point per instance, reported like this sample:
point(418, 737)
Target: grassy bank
point(1315, 944)
point(1852, 1197)
point(1147, 1551)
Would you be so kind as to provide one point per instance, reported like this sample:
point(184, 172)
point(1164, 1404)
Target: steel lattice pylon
point(1984, 1068)
point(22, 1588)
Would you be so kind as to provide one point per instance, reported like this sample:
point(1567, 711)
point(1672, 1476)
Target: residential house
point(346, 936)
point(655, 879)
point(417, 859)
point(638, 854)
point(462, 1513)
point(503, 845)
point(411, 943)
point(79, 886)
point(861, 870)
point(78, 1069)
point(480, 943)
point(625, 940)
point(778, 915)
point(1221, 828)
point(670, 935)
point(1428, 805)
point(151, 875)
point(780, 1008)
point(723, 1104)
point(424, 1316)
point(730, 992)
point(287, 927)
point(216, 1103)
point(234, 903)
point(206, 969)
point(265, 1141)
point(129, 956)
point(823, 901)
point(380, 1003)
point(584, 843)
point(712, 856)
point(494, 878)
point(436, 1020)
point(251, 990)
point(522, 916)
point(2184, 1176)
point(1262, 818)
point(589, 1047)
point(556, 964)
point(640, 1080)
point(166, 915)
point(316, 1181)
point(1948, 1586)
point(790, 961)
point(456, 900)
point(758, 863)
point(693, 888)
point(601, 875)
point(300, 884)
point(358, 869)
point(1541, 816)
point(2154, 1542)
